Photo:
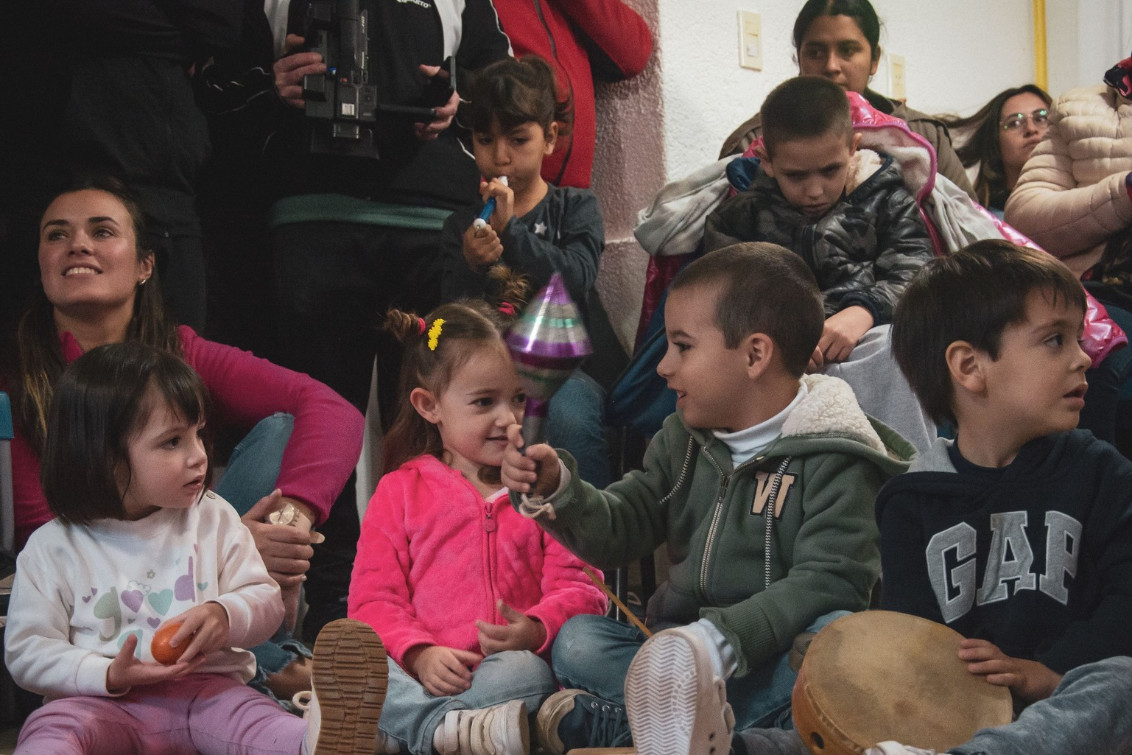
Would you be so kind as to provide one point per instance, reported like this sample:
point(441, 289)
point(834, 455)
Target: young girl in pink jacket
point(466, 594)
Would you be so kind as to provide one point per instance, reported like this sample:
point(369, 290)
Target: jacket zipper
point(725, 480)
point(809, 254)
point(715, 517)
point(489, 526)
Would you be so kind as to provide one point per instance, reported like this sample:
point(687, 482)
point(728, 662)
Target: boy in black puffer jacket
point(847, 213)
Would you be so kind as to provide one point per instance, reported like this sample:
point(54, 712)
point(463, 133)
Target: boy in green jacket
point(762, 487)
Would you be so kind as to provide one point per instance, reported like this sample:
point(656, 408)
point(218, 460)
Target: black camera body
point(344, 103)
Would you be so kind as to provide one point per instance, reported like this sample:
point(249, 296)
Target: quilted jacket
point(435, 556)
point(1072, 195)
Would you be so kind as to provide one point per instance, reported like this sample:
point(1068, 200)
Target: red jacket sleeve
point(327, 437)
point(616, 30)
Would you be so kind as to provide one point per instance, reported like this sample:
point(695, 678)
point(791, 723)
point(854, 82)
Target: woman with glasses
point(840, 40)
point(1003, 133)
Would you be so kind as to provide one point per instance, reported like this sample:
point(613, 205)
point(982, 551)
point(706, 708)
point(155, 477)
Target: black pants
point(335, 283)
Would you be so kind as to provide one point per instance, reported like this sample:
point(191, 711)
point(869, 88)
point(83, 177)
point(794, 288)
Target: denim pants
point(576, 422)
point(593, 653)
point(198, 713)
point(1090, 713)
point(252, 471)
point(410, 714)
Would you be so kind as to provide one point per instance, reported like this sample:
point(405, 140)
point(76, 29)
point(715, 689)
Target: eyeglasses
point(1018, 120)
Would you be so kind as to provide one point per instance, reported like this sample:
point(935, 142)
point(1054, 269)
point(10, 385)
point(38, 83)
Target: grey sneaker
point(498, 730)
point(675, 701)
point(348, 683)
point(572, 718)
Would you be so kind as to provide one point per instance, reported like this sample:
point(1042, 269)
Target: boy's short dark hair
point(971, 295)
point(762, 288)
point(802, 108)
point(100, 403)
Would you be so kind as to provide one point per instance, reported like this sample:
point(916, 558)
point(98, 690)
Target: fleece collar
point(831, 408)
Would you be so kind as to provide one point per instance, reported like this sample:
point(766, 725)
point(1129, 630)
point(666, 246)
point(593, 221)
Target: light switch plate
point(897, 81)
point(750, 40)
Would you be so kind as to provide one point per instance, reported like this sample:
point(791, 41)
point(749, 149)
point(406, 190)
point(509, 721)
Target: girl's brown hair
point(516, 91)
point(436, 346)
point(100, 403)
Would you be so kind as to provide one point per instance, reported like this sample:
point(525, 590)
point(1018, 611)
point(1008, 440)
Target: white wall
point(956, 55)
point(1086, 37)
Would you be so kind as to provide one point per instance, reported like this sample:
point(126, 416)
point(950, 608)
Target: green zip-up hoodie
point(762, 580)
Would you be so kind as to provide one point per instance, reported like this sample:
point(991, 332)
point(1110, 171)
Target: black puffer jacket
point(863, 251)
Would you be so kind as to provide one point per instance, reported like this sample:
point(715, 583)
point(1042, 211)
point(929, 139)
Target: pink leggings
point(201, 713)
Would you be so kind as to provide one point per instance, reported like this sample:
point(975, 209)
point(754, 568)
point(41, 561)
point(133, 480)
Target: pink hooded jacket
point(434, 556)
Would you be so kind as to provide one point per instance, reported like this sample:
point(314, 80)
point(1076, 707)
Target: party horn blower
point(488, 207)
point(548, 341)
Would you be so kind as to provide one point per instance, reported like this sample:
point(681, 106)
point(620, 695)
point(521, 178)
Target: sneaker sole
point(666, 690)
point(351, 675)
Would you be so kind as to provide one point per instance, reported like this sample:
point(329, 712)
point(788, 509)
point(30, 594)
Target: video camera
point(344, 101)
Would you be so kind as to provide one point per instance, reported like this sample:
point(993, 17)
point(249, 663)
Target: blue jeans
point(593, 653)
point(576, 422)
point(254, 464)
point(410, 714)
point(252, 471)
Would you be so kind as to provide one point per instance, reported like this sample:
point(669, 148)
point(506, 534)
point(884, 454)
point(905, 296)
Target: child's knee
point(577, 644)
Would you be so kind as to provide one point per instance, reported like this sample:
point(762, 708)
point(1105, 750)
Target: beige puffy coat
point(1072, 196)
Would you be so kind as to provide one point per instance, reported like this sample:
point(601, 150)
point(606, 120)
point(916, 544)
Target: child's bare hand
point(504, 203)
point(445, 671)
point(204, 628)
point(482, 247)
point(842, 332)
point(1030, 681)
point(127, 671)
point(521, 632)
point(536, 470)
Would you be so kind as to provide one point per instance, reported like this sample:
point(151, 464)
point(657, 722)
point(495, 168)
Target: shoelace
point(609, 727)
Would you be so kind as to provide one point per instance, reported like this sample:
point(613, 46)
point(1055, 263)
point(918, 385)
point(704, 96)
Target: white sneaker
point(499, 730)
point(348, 683)
point(895, 748)
point(675, 702)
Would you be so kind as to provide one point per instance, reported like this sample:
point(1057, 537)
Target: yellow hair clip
point(434, 333)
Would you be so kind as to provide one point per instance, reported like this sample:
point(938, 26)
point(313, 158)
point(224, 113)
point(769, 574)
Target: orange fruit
point(162, 651)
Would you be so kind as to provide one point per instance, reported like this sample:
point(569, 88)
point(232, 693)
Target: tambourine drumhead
point(880, 675)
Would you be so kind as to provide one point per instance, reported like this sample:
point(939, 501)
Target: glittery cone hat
point(548, 341)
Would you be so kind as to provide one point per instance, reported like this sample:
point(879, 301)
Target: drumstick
point(616, 601)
